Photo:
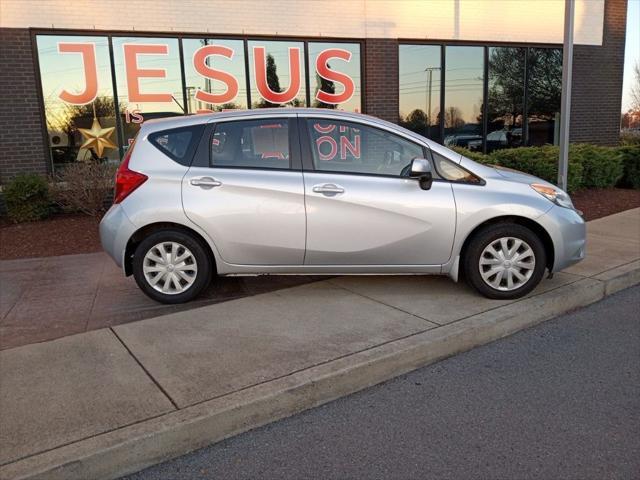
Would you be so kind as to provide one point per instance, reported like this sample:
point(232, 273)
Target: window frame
point(294, 144)
point(443, 43)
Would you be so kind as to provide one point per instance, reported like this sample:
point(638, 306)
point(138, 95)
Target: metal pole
point(429, 106)
point(429, 70)
point(565, 107)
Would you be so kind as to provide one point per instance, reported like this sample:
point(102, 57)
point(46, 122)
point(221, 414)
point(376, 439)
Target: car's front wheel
point(171, 266)
point(505, 261)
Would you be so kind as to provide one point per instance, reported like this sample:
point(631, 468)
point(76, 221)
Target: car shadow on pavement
point(46, 298)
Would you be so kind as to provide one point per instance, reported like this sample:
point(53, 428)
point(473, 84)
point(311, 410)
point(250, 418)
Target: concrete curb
point(129, 449)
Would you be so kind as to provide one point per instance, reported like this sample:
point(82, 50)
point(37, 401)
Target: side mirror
point(421, 169)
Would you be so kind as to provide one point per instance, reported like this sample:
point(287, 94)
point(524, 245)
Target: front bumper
point(115, 231)
point(568, 232)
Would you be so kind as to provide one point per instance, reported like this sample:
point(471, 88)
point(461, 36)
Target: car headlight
point(556, 195)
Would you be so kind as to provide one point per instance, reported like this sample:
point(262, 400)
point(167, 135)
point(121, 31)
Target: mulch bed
point(59, 235)
point(68, 234)
point(599, 203)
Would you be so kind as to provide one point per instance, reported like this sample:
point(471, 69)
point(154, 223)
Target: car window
point(339, 146)
point(251, 144)
point(449, 170)
point(177, 143)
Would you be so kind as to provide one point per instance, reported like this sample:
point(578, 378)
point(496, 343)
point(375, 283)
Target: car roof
point(195, 119)
point(215, 116)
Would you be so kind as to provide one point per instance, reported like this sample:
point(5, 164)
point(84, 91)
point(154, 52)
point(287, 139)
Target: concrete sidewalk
point(47, 298)
point(112, 401)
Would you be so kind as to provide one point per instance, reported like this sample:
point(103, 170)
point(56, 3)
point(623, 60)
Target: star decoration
point(97, 138)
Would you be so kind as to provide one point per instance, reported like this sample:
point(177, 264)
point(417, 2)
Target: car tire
point(171, 266)
point(504, 261)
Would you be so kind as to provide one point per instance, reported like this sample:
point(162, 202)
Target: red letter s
point(325, 72)
point(200, 64)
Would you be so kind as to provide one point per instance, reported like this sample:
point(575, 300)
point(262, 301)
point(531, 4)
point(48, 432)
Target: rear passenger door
point(247, 192)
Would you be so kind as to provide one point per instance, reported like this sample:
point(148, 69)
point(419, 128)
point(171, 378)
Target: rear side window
point(178, 144)
point(251, 144)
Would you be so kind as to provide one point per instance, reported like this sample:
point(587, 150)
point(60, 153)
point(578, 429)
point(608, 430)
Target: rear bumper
point(568, 232)
point(115, 231)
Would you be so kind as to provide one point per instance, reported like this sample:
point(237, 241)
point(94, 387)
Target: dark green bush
point(630, 155)
point(541, 162)
point(27, 198)
point(628, 138)
point(590, 166)
point(601, 166)
point(475, 156)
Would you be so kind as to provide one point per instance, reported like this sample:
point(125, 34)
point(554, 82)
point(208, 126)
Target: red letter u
point(260, 69)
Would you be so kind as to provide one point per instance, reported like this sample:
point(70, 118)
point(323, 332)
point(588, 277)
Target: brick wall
point(381, 78)
point(596, 95)
point(21, 126)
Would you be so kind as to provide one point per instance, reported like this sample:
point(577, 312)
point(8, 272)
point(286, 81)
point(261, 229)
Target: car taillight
point(127, 180)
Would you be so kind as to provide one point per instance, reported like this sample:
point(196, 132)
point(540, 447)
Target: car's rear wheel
point(505, 261)
point(171, 266)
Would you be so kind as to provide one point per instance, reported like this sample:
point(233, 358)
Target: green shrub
point(541, 162)
point(590, 166)
point(475, 156)
point(27, 198)
point(629, 138)
point(630, 156)
point(601, 166)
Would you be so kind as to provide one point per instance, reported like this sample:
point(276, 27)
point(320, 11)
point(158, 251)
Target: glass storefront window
point(544, 68)
point(419, 86)
point(463, 93)
point(78, 98)
point(214, 74)
point(149, 80)
point(277, 74)
point(506, 97)
point(337, 76)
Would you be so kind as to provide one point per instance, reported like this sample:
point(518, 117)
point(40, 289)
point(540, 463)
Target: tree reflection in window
point(463, 93)
point(277, 74)
point(544, 68)
point(506, 97)
point(419, 85)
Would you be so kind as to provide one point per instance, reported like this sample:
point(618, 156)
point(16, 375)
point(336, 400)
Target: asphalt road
point(561, 400)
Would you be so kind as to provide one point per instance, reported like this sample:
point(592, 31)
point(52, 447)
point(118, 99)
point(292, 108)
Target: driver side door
point(362, 208)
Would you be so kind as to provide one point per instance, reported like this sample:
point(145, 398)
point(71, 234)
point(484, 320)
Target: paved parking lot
point(47, 298)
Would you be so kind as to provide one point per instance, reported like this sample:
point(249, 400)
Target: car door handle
point(328, 189)
point(205, 182)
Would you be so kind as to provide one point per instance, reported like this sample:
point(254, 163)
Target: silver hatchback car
point(315, 191)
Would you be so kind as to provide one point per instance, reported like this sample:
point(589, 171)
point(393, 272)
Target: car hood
point(501, 173)
point(518, 176)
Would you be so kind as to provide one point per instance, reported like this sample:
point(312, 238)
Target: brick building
point(478, 74)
